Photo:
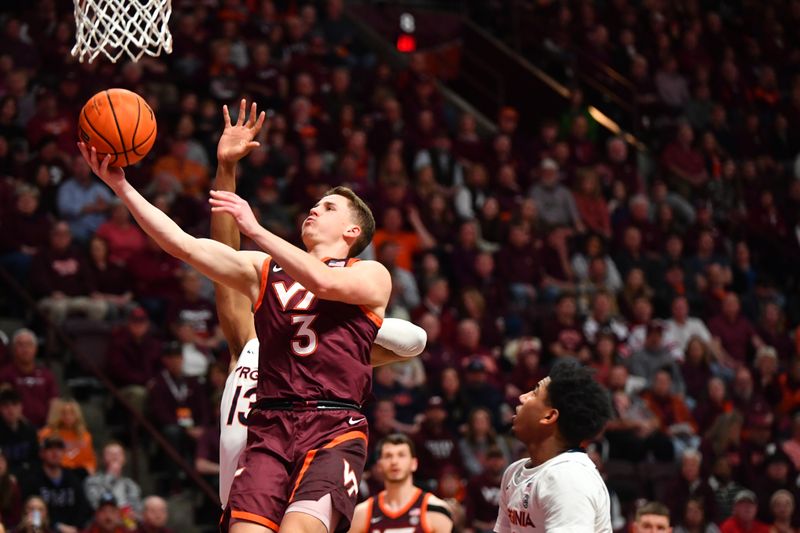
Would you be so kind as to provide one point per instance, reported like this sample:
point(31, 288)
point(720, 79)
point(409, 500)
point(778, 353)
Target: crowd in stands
point(679, 286)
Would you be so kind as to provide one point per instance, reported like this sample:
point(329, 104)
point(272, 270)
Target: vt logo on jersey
point(520, 518)
point(305, 339)
point(285, 295)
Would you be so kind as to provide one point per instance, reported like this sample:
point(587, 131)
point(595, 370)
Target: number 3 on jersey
point(304, 342)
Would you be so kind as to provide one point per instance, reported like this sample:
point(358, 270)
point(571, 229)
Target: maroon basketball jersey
point(311, 349)
point(412, 519)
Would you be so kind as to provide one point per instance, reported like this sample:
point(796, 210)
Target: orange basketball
point(120, 123)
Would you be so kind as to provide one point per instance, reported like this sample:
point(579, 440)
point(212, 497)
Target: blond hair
point(54, 416)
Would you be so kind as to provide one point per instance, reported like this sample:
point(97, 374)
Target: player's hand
point(232, 204)
point(111, 176)
point(237, 139)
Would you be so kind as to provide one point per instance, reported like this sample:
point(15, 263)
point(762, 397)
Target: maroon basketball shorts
point(297, 455)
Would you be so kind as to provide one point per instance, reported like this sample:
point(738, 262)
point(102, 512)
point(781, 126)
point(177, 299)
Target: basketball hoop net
point(114, 27)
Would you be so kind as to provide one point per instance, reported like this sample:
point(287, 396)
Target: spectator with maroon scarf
point(177, 404)
point(35, 384)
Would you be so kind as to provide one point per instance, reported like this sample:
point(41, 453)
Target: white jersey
point(565, 495)
point(237, 399)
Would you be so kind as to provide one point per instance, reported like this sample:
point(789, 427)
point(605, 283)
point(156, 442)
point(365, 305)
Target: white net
point(116, 27)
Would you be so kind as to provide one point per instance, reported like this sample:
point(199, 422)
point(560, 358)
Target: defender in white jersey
point(557, 488)
point(396, 340)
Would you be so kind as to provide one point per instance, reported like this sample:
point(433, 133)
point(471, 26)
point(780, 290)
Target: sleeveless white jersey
point(563, 495)
point(237, 399)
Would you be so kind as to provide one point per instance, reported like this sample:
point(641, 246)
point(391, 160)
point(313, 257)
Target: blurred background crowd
point(668, 261)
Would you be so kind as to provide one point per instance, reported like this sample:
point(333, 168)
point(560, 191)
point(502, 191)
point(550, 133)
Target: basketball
point(119, 123)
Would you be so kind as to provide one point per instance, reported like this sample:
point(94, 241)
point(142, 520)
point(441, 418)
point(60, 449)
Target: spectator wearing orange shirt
point(672, 413)
point(65, 420)
point(408, 242)
point(192, 175)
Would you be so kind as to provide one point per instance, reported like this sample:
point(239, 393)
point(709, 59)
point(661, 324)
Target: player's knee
point(296, 522)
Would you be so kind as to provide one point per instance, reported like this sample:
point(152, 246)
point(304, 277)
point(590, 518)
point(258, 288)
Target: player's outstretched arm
point(366, 283)
point(239, 270)
point(233, 307)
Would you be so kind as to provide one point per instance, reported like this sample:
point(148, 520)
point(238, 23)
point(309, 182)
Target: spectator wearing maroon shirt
point(435, 301)
point(772, 330)
point(562, 335)
point(712, 404)
point(436, 445)
point(518, 266)
point(617, 167)
point(689, 484)
point(734, 332)
point(132, 357)
point(24, 233)
point(468, 345)
point(193, 309)
point(35, 384)
point(631, 253)
point(491, 283)
point(684, 164)
point(60, 277)
point(123, 237)
point(591, 204)
point(467, 144)
point(111, 282)
point(483, 493)
point(155, 279)
point(639, 217)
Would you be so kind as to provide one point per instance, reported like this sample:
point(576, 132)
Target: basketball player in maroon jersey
point(396, 341)
point(317, 314)
point(401, 507)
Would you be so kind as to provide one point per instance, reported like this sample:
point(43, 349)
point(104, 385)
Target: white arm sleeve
point(401, 337)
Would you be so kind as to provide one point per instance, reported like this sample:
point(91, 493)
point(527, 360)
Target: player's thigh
point(299, 522)
point(333, 470)
point(310, 516)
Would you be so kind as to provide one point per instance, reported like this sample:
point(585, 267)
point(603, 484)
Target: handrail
point(138, 418)
point(604, 68)
point(560, 88)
